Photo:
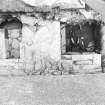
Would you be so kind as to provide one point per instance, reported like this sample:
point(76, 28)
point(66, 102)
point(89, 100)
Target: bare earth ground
point(84, 89)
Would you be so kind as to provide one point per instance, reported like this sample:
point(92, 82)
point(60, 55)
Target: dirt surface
point(84, 89)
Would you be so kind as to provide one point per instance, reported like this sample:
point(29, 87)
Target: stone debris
point(15, 44)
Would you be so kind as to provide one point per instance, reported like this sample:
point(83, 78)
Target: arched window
point(12, 27)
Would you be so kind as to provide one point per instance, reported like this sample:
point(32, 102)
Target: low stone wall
point(86, 63)
point(70, 64)
point(20, 67)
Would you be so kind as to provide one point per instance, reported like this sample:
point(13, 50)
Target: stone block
point(97, 59)
point(83, 62)
point(86, 68)
point(29, 68)
point(48, 64)
point(63, 38)
point(87, 63)
point(10, 40)
point(8, 45)
point(38, 66)
point(2, 44)
point(67, 65)
point(7, 54)
point(66, 57)
point(15, 33)
point(64, 72)
point(15, 44)
point(11, 67)
point(22, 50)
point(82, 57)
point(28, 20)
point(56, 72)
point(15, 53)
point(20, 66)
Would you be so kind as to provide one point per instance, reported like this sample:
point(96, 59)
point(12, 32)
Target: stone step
point(82, 63)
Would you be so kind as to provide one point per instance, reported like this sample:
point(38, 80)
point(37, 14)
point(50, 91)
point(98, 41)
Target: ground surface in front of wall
point(84, 89)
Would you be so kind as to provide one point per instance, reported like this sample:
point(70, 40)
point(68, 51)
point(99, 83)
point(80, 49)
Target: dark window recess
point(83, 37)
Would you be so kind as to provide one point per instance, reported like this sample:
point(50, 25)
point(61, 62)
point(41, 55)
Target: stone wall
point(85, 63)
point(41, 47)
point(2, 44)
point(13, 44)
point(40, 52)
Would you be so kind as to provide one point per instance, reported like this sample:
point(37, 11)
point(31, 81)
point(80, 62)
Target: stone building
point(58, 38)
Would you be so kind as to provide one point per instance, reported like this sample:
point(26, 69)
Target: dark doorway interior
point(83, 37)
